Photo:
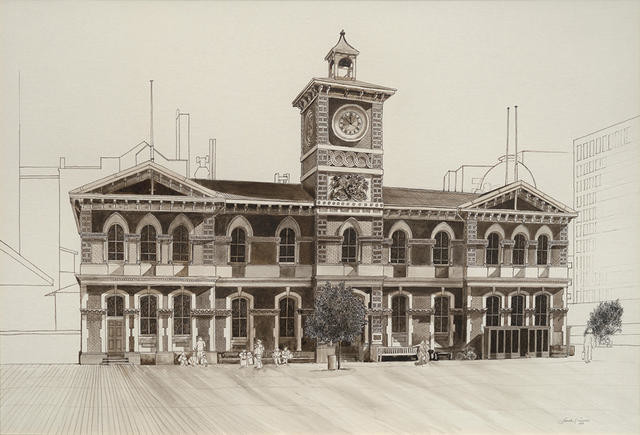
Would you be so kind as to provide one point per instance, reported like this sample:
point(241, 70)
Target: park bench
point(397, 351)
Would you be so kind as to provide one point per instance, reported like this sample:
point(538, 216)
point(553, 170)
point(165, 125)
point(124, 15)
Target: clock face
point(350, 123)
point(308, 128)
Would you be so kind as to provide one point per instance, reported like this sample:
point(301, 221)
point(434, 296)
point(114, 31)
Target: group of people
point(280, 357)
point(197, 358)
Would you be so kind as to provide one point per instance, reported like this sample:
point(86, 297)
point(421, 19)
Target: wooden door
point(115, 337)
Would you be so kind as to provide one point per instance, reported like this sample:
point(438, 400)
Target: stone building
point(167, 259)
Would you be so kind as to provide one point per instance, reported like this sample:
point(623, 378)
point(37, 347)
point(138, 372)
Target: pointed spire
point(342, 47)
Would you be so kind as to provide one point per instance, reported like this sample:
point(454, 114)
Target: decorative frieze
point(131, 311)
point(164, 312)
point(86, 311)
point(203, 312)
point(351, 159)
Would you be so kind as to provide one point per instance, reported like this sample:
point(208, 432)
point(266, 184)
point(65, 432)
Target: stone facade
point(166, 259)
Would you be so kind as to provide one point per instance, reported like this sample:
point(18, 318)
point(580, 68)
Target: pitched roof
point(406, 197)
point(514, 186)
point(342, 47)
point(232, 189)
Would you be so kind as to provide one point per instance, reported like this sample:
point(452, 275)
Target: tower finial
point(342, 33)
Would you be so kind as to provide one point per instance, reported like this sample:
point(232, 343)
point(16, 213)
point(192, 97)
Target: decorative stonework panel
point(348, 187)
point(85, 227)
point(350, 159)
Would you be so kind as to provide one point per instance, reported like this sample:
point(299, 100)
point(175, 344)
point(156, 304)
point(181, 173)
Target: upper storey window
point(287, 252)
point(493, 249)
point(519, 249)
point(238, 246)
point(398, 247)
point(349, 245)
point(543, 250)
point(441, 248)
point(115, 243)
point(180, 244)
point(148, 243)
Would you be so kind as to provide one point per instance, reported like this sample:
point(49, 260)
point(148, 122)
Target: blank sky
point(572, 67)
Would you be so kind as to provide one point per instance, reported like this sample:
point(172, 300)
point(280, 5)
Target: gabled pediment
point(518, 196)
point(146, 179)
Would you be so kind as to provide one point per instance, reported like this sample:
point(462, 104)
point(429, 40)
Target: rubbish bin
point(332, 362)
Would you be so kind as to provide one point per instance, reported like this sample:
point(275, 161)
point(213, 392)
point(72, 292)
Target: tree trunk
point(339, 351)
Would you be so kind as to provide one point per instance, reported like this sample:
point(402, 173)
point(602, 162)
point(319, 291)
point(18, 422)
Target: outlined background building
point(605, 259)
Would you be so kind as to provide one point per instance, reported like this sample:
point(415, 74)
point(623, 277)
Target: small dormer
point(342, 60)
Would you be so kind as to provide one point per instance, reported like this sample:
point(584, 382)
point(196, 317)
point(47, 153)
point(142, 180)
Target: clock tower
point(342, 154)
point(341, 133)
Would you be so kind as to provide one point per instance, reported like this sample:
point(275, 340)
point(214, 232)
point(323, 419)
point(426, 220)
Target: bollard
point(332, 362)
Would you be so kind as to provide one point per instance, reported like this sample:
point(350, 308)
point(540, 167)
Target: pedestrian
point(200, 345)
point(243, 358)
point(285, 356)
point(276, 354)
point(182, 359)
point(258, 350)
point(423, 354)
point(589, 344)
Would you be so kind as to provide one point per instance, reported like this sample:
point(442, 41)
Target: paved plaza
point(527, 395)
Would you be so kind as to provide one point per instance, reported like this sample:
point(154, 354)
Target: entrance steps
point(114, 360)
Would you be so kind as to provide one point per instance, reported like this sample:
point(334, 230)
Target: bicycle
point(466, 354)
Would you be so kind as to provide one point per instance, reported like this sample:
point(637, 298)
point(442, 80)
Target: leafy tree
point(339, 316)
point(605, 319)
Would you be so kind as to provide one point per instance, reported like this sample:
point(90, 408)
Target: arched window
point(239, 318)
point(398, 247)
point(493, 311)
point(541, 316)
point(182, 314)
point(115, 306)
point(493, 249)
point(441, 314)
point(287, 317)
point(399, 314)
point(519, 249)
point(148, 243)
point(287, 246)
point(115, 242)
point(517, 310)
point(148, 315)
point(349, 246)
point(543, 250)
point(441, 248)
point(238, 246)
point(180, 244)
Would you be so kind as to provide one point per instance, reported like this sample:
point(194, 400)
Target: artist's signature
point(574, 420)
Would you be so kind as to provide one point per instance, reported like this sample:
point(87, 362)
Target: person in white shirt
point(589, 344)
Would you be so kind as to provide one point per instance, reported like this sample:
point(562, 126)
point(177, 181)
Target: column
point(169, 326)
point(376, 320)
point(103, 329)
point(299, 332)
point(194, 328)
point(136, 331)
point(127, 320)
point(212, 320)
point(84, 330)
